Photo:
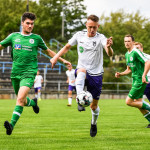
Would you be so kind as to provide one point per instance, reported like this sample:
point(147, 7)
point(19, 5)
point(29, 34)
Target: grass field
point(58, 127)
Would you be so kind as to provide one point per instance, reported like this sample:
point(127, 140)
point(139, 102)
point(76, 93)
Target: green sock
point(16, 114)
point(146, 106)
point(30, 102)
point(147, 116)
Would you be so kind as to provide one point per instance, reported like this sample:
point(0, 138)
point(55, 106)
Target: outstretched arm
point(64, 50)
point(108, 48)
point(52, 54)
point(127, 71)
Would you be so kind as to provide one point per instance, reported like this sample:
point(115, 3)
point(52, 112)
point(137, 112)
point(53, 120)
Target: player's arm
point(108, 48)
point(67, 80)
point(64, 50)
point(52, 54)
point(126, 72)
point(146, 69)
point(1, 47)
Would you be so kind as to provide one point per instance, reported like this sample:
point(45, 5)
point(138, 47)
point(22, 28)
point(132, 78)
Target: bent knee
point(93, 107)
point(81, 70)
point(128, 102)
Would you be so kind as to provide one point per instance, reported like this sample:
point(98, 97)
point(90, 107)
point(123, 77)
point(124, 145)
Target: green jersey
point(136, 61)
point(24, 52)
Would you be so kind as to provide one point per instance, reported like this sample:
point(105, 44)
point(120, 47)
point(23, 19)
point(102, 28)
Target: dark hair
point(28, 15)
point(129, 35)
point(93, 18)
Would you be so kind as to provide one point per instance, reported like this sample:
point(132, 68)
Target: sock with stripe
point(16, 114)
point(30, 102)
point(147, 116)
point(146, 106)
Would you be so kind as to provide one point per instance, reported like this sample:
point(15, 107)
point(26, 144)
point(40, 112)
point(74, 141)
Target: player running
point(139, 65)
point(90, 46)
point(24, 55)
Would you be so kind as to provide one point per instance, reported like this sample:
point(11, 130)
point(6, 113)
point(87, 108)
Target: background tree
point(119, 24)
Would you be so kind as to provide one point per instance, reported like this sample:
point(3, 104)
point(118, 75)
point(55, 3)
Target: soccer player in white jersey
point(38, 85)
point(90, 46)
point(139, 65)
point(71, 83)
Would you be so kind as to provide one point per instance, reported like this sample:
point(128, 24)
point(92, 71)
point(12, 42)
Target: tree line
point(49, 21)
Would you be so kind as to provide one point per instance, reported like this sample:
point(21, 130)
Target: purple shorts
point(36, 89)
point(147, 91)
point(71, 88)
point(94, 84)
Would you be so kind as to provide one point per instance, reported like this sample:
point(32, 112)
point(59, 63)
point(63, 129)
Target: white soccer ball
point(84, 99)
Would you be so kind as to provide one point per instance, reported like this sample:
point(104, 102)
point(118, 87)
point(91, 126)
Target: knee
point(20, 101)
point(81, 70)
point(128, 102)
point(93, 107)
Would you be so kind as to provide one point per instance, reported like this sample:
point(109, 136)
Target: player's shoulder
point(81, 33)
point(15, 34)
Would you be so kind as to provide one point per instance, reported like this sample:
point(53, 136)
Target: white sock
point(39, 94)
point(95, 114)
point(70, 100)
point(80, 82)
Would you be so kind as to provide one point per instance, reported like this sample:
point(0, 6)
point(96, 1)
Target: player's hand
point(144, 80)
point(117, 75)
point(109, 42)
point(67, 63)
point(53, 61)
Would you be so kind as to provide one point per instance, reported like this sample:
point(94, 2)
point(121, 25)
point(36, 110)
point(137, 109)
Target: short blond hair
point(138, 43)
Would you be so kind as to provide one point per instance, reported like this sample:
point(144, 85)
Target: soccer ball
point(84, 98)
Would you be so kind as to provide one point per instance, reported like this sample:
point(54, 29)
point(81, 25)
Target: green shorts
point(19, 81)
point(137, 90)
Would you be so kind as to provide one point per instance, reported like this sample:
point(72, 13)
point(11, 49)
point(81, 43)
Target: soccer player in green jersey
point(24, 69)
point(139, 65)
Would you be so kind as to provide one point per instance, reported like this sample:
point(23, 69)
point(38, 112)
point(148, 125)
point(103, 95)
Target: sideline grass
point(58, 127)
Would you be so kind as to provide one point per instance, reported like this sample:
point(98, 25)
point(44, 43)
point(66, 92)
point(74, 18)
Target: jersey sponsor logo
point(31, 41)
point(17, 46)
point(17, 40)
point(81, 49)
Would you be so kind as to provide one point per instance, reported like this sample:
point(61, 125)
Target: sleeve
point(73, 40)
point(42, 44)
point(140, 56)
point(7, 41)
point(103, 40)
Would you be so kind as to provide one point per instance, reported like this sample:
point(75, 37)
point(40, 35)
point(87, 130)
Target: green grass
point(58, 127)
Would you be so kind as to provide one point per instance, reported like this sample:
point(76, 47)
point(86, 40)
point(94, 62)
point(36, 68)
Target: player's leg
point(36, 92)
point(21, 98)
point(70, 95)
point(95, 113)
point(94, 86)
point(28, 82)
point(145, 113)
point(147, 91)
point(39, 93)
point(80, 80)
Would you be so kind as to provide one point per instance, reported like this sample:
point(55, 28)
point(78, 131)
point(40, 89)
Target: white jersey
point(38, 81)
point(148, 74)
point(71, 76)
point(90, 51)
